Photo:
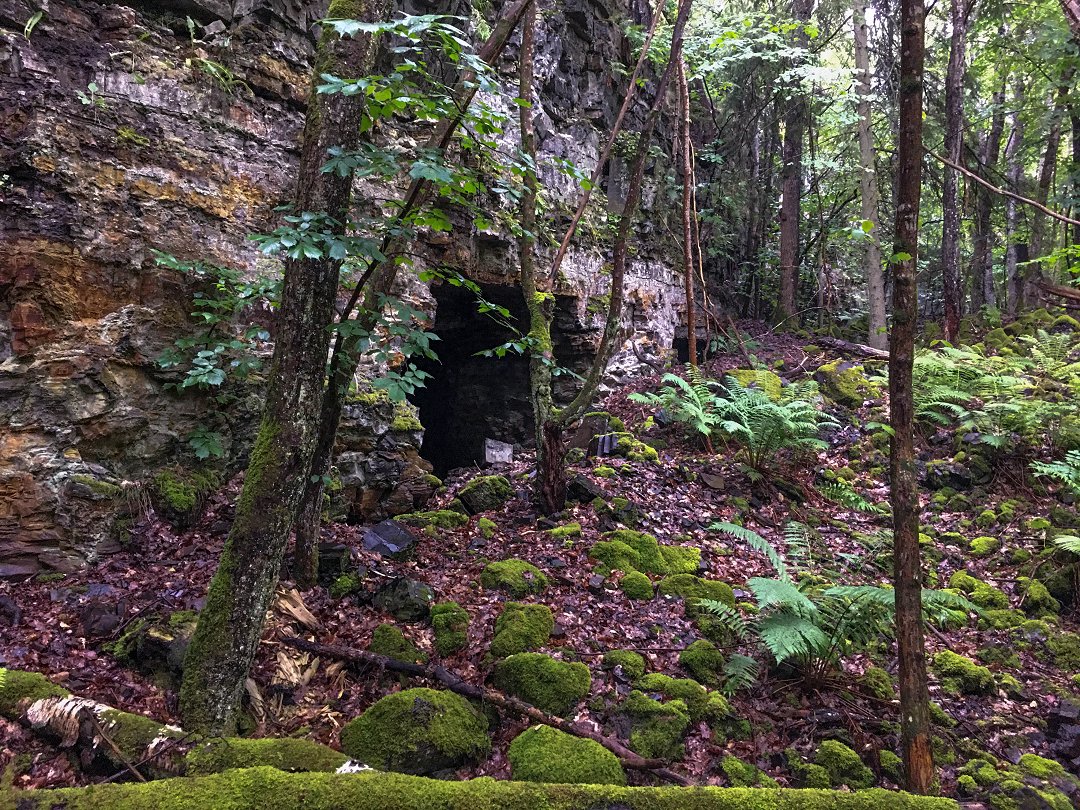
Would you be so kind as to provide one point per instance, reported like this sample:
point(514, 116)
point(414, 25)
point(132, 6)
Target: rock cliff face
point(119, 135)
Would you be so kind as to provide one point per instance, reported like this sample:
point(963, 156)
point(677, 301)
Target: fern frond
point(1067, 542)
point(740, 672)
point(757, 543)
point(787, 635)
point(773, 593)
point(729, 617)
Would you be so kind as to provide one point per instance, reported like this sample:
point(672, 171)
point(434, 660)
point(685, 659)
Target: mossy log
point(269, 789)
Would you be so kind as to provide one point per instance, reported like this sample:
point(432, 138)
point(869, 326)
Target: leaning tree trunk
point(230, 625)
point(907, 565)
point(983, 292)
point(868, 188)
point(954, 141)
point(1014, 171)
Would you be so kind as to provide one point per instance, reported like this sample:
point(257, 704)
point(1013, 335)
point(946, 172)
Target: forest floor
point(57, 625)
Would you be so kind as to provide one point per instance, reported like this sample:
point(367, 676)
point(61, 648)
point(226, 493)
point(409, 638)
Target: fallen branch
point(455, 683)
point(854, 348)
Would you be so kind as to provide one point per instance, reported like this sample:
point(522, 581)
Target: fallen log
point(854, 348)
point(455, 683)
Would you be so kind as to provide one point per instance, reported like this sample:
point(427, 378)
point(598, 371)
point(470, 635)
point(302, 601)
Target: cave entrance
point(469, 398)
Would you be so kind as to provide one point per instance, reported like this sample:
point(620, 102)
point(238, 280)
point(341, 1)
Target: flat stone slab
point(389, 538)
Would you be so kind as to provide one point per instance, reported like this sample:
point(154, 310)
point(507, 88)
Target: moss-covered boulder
point(407, 600)
point(878, 683)
point(843, 765)
point(769, 382)
point(346, 585)
point(704, 662)
point(653, 558)
point(388, 640)
point(545, 754)
point(959, 674)
point(450, 621)
point(1036, 599)
point(846, 383)
point(699, 701)
point(983, 546)
point(656, 729)
point(485, 493)
point(521, 628)
point(288, 754)
point(743, 774)
point(690, 588)
point(156, 645)
point(806, 774)
point(630, 663)
point(178, 495)
point(437, 519)
point(516, 577)
point(418, 731)
point(552, 685)
point(979, 592)
point(614, 555)
point(637, 586)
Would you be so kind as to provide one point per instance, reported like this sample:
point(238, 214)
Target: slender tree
point(907, 564)
point(960, 14)
point(1014, 172)
point(685, 156)
point(230, 625)
point(868, 185)
point(981, 272)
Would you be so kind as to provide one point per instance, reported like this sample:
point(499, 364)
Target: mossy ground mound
point(450, 621)
point(517, 577)
point(485, 493)
point(521, 628)
point(552, 685)
point(545, 754)
point(292, 755)
point(417, 731)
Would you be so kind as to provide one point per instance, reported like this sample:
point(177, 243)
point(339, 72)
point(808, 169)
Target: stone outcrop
point(118, 137)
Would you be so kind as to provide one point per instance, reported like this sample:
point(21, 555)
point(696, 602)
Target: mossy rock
point(437, 519)
point(566, 531)
point(631, 663)
point(632, 449)
point(486, 493)
point(878, 683)
point(615, 556)
point(637, 586)
point(743, 774)
point(450, 622)
point(290, 755)
point(545, 754)
point(959, 674)
point(892, 766)
point(178, 494)
point(262, 788)
point(551, 685)
point(843, 765)
point(769, 383)
point(846, 383)
point(651, 557)
point(690, 588)
point(984, 546)
point(699, 701)
point(417, 731)
point(345, 585)
point(704, 662)
point(1036, 599)
point(487, 527)
point(516, 577)
point(388, 640)
point(807, 774)
point(156, 645)
point(18, 689)
point(656, 729)
point(521, 628)
point(1065, 648)
point(979, 592)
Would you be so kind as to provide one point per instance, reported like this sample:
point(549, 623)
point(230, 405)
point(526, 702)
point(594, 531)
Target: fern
point(1065, 472)
point(1067, 542)
point(690, 402)
point(728, 617)
point(843, 493)
point(757, 543)
point(740, 672)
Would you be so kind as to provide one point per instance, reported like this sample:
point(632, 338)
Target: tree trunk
point(791, 182)
point(230, 625)
point(868, 188)
point(983, 292)
point(907, 565)
point(687, 212)
point(1014, 172)
point(954, 141)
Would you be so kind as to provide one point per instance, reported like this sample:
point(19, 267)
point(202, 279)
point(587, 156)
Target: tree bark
point(687, 212)
point(1014, 171)
point(229, 628)
point(983, 292)
point(960, 14)
point(791, 181)
point(907, 565)
point(868, 188)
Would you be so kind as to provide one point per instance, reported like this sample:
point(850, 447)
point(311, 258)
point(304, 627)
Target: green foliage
point(691, 402)
point(1066, 472)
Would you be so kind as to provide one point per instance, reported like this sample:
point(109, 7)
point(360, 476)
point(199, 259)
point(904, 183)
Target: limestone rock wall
point(115, 140)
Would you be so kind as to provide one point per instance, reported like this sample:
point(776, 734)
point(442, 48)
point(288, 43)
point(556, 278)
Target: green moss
point(437, 519)
point(19, 689)
point(1001, 619)
point(102, 489)
point(133, 735)
point(388, 640)
point(262, 788)
point(345, 585)
point(405, 418)
point(657, 729)
point(1065, 647)
point(450, 622)
point(892, 766)
point(699, 701)
point(807, 774)
point(292, 755)
point(178, 494)
point(704, 662)
point(1036, 599)
point(632, 663)
point(689, 588)
point(878, 683)
point(845, 383)
point(984, 546)
point(544, 754)
point(485, 493)
point(652, 557)
point(637, 586)
point(615, 556)
point(939, 717)
point(566, 531)
point(487, 527)
point(551, 685)
point(769, 383)
point(1040, 767)
point(743, 774)
point(981, 594)
point(417, 731)
point(603, 471)
point(962, 675)
point(517, 577)
point(520, 628)
point(843, 765)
